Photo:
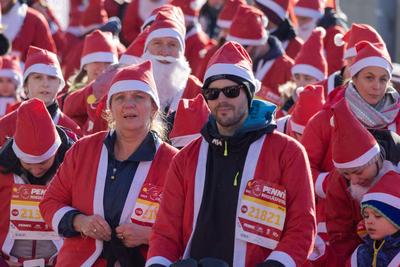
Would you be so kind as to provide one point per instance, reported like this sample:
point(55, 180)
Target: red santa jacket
point(79, 184)
point(8, 124)
point(317, 139)
point(273, 74)
point(334, 53)
point(183, 192)
point(197, 43)
point(292, 47)
point(343, 214)
point(34, 31)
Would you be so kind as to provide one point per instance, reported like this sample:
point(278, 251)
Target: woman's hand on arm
point(133, 235)
point(93, 226)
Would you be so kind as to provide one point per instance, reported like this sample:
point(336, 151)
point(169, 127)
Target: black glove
point(4, 45)
point(285, 31)
point(270, 263)
point(185, 263)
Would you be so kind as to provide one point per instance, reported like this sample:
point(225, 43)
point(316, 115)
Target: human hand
point(133, 235)
point(93, 226)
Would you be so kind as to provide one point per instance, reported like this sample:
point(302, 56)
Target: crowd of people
point(197, 133)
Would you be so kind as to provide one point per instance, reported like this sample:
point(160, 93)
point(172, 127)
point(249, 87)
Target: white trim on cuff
point(58, 216)
point(319, 189)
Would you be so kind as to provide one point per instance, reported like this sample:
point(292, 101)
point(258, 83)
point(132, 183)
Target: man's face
point(164, 46)
point(38, 169)
point(228, 112)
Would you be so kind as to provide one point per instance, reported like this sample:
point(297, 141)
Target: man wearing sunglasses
point(241, 193)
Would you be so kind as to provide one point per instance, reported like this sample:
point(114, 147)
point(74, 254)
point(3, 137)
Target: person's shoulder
point(34, 16)
point(188, 151)
point(283, 141)
point(91, 141)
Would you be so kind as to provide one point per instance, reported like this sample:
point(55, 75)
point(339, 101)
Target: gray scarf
point(374, 117)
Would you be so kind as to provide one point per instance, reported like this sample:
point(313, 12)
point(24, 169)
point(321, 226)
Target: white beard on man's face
point(171, 79)
point(357, 191)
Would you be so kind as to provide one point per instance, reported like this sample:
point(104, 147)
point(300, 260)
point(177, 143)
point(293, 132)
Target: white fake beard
point(357, 191)
point(304, 31)
point(146, 7)
point(171, 79)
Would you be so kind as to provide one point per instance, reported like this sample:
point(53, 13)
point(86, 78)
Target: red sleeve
point(300, 225)
point(58, 198)
point(342, 217)
point(167, 237)
point(75, 105)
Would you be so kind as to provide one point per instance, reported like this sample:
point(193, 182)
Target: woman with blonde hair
point(105, 198)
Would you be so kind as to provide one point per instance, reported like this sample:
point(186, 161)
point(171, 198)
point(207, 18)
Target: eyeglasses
point(229, 91)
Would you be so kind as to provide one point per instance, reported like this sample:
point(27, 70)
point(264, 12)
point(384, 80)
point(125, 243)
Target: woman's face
point(371, 84)
point(38, 169)
point(132, 110)
point(94, 69)
point(7, 87)
point(42, 86)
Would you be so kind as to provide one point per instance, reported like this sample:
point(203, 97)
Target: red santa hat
point(167, 26)
point(39, 60)
point(190, 117)
point(309, 8)
point(11, 68)
point(248, 17)
point(232, 59)
point(311, 59)
point(384, 197)
point(370, 55)
point(190, 8)
point(353, 146)
point(93, 16)
point(174, 11)
point(309, 102)
point(274, 8)
point(228, 12)
point(135, 50)
point(135, 78)
point(35, 138)
point(356, 34)
point(99, 47)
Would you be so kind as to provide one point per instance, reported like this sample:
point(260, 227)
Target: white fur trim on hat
point(131, 85)
point(276, 8)
point(307, 12)
point(371, 61)
point(244, 41)
point(46, 69)
point(224, 24)
point(350, 52)
point(338, 39)
point(384, 198)
point(308, 70)
point(225, 68)
point(129, 59)
point(296, 127)
point(181, 141)
point(32, 159)
point(360, 161)
point(165, 32)
point(10, 73)
point(147, 22)
point(99, 57)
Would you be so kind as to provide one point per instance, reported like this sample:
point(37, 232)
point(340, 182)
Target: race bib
point(147, 205)
point(26, 222)
point(262, 214)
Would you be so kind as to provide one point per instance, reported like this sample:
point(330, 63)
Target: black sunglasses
point(229, 91)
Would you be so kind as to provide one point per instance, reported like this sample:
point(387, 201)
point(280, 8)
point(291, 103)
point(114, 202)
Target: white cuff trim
point(158, 260)
point(58, 216)
point(319, 189)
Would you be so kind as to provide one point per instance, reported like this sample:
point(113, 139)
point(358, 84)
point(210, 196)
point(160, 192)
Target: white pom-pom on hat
point(322, 30)
point(338, 39)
